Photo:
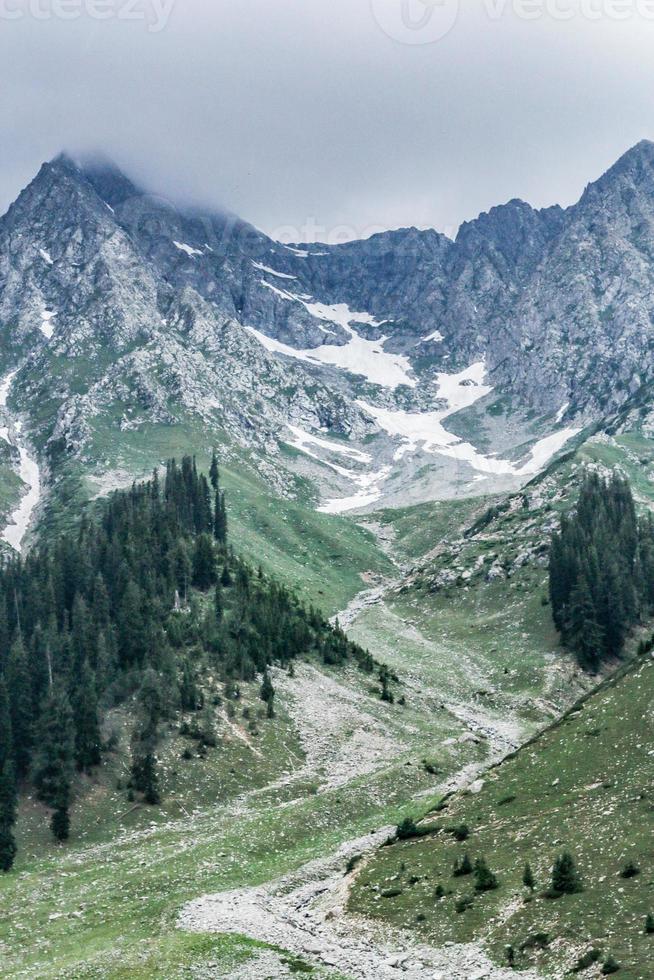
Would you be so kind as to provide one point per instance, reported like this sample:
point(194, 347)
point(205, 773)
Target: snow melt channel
point(28, 471)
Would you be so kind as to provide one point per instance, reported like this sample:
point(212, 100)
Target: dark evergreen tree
point(19, 690)
point(189, 695)
point(565, 878)
point(7, 816)
point(87, 727)
point(528, 879)
point(267, 694)
point(204, 563)
point(54, 763)
point(601, 571)
point(485, 879)
point(214, 474)
point(463, 867)
point(220, 519)
point(7, 785)
point(219, 603)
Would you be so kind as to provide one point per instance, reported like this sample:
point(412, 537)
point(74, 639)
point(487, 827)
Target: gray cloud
point(313, 118)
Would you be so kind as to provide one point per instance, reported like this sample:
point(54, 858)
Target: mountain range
point(406, 367)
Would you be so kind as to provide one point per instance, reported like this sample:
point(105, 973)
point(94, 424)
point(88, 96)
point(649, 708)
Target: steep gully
point(29, 471)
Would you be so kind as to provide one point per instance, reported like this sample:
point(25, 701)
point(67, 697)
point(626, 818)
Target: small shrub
point(630, 870)
point(506, 800)
point(611, 965)
point(407, 829)
point(463, 904)
point(352, 863)
point(649, 925)
point(587, 960)
point(439, 892)
point(460, 833)
point(538, 940)
point(391, 892)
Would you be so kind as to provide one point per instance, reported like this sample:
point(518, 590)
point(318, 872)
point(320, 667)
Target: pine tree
point(528, 879)
point(583, 632)
point(267, 694)
point(7, 815)
point(188, 689)
point(87, 727)
point(219, 603)
point(54, 763)
point(485, 879)
point(204, 563)
point(19, 690)
point(149, 780)
point(463, 867)
point(214, 474)
point(220, 519)
point(6, 740)
point(7, 785)
point(565, 878)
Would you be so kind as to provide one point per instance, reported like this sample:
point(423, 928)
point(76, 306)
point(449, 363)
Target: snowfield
point(416, 432)
point(28, 471)
point(366, 358)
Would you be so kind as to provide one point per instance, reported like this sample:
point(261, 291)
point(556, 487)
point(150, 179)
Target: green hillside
point(587, 786)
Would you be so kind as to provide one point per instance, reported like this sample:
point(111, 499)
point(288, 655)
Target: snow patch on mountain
point(366, 358)
point(425, 431)
point(302, 439)
point(188, 249)
point(561, 413)
point(46, 325)
point(371, 488)
point(47, 258)
point(272, 272)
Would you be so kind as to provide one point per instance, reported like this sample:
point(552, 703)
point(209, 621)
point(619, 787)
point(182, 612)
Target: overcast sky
point(330, 118)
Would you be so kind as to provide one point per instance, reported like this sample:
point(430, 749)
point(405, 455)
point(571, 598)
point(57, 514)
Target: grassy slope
point(585, 785)
point(105, 904)
point(600, 756)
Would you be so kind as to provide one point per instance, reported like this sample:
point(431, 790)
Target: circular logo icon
point(416, 21)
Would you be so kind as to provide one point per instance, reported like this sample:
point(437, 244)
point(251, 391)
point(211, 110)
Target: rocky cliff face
point(123, 311)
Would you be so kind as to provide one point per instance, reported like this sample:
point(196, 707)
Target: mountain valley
point(400, 424)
